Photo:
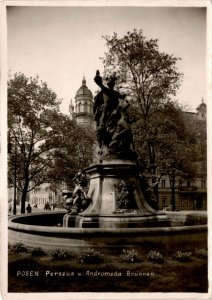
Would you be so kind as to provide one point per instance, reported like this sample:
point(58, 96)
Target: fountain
point(114, 212)
point(116, 198)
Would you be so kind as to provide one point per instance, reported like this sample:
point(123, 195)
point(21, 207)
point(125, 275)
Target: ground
point(30, 273)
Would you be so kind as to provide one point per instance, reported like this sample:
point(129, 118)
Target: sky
point(63, 44)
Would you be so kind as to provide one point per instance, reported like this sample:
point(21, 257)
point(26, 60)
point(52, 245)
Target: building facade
point(191, 193)
point(42, 195)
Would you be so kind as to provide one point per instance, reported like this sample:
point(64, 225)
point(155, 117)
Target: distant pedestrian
point(47, 206)
point(29, 208)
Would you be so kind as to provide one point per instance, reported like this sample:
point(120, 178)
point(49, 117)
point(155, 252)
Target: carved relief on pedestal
point(124, 192)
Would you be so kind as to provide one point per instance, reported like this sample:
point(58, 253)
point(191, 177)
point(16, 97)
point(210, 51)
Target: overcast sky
point(62, 44)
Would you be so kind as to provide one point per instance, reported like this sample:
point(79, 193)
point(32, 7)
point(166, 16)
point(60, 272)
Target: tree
point(177, 149)
point(149, 78)
point(32, 109)
point(76, 143)
point(85, 139)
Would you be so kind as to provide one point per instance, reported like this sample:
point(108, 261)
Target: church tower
point(83, 110)
point(202, 111)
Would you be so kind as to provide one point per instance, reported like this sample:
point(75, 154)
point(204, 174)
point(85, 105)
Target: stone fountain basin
point(188, 230)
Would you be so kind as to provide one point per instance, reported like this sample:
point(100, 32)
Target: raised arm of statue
point(98, 79)
point(110, 83)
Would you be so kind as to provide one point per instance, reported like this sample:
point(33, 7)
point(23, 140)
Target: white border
point(209, 141)
point(145, 3)
point(3, 144)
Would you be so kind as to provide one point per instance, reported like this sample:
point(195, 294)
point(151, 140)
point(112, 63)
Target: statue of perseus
point(112, 120)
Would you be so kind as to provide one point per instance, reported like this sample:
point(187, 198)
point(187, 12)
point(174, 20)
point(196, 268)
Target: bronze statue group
point(114, 137)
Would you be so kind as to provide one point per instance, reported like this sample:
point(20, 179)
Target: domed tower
point(84, 105)
point(202, 111)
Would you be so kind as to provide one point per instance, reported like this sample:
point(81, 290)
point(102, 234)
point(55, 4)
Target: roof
point(84, 90)
point(201, 105)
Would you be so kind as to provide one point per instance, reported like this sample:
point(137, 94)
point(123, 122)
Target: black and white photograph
point(106, 150)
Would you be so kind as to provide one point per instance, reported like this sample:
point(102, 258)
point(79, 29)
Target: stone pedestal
point(69, 220)
point(117, 201)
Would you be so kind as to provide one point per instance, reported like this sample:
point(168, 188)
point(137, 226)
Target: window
point(163, 201)
point(85, 108)
point(203, 183)
point(163, 183)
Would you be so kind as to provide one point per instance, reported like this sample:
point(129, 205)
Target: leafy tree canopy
point(149, 77)
point(164, 139)
point(44, 144)
point(33, 121)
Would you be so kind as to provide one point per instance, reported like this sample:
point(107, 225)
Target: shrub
point(129, 256)
point(90, 256)
point(18, 247)
point(182, 256)
point(59, 254)
point(38, 252)
point(155, 256)
point(201, 253)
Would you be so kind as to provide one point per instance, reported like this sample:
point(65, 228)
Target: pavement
point(34, 210)
point(39, 209)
